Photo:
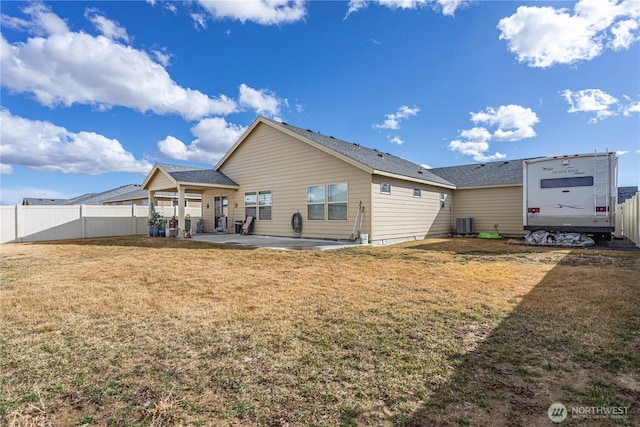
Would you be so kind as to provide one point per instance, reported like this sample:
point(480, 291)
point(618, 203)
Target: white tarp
point(542, 237)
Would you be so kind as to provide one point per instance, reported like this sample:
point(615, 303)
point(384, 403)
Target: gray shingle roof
point(372, 158)
point(194, 174)
point(98, 198)
point(481, 174)
point(36, 201)
point(143, 194)
point(625, 193)
point(85, 199)
point(137, 193)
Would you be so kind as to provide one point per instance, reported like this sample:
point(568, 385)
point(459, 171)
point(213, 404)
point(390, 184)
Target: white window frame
point(253, 205)
point(417, 193)
point(339, 202)
point(382, 186)
point(315, 203)
point(260, 205)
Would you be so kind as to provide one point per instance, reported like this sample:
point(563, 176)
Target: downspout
point(451, 230)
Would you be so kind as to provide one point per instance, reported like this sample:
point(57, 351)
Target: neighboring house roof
point(507, 172)
point(373, 160)
point(625, 193)
point(144, 194)
point(35, 201)
point(123, 193)
point(99, 198)
point(196, 175)
point(85, 199)
point(136, 194)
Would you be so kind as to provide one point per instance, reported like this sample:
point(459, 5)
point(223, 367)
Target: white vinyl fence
point(36, 223)
point(628, 219)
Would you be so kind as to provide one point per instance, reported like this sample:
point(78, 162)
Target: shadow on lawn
point(145, 242)
point(572, 339)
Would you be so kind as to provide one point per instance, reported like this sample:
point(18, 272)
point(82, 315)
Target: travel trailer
point(574, 193)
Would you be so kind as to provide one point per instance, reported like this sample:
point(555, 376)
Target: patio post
point(181, 208)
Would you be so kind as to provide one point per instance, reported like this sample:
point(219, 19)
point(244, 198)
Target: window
point(250, 204)
point(315, 202)
point(417, 192)
point(443, 198)
point(385, 188)
point(337, 201)
point(264, 205)
point(574, 181)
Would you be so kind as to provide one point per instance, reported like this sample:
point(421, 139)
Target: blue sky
point(94, 93)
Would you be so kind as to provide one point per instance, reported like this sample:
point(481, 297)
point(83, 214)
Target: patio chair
point(247, 227)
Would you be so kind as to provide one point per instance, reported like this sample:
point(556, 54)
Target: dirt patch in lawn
point(142, 331)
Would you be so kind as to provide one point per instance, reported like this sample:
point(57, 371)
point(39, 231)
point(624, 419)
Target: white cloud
point(633, 107)
point(546, 36)
point(625, 33)
point(447, 7)
point(475, 143)
point(67, 67)
point(107, 28)
point(265, 12)
point(622, 152)
point(200, 20)
point(165, 5)
point(589, 100)
point(477, 135)
point(354, 6)
point(263, 101)
point(162, 57)
point(214, 136)
point(392, 121)
point(43, 146)
point(6, 169)
point(513, 123)
point(599, 102)
point(475, 149)
point(424, 165)
point(395, 140)
point(43, 21)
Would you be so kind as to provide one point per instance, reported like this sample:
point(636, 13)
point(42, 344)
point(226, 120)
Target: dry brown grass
point(142, 331)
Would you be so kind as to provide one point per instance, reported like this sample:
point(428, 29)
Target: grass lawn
point(149, 332)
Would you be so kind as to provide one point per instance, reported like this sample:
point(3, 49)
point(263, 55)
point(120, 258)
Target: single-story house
point(339, 188)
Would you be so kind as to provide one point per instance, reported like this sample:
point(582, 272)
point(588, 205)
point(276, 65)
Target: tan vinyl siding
point(272, 160)
point(399, 216)
point(161, 181)
point(490, 206)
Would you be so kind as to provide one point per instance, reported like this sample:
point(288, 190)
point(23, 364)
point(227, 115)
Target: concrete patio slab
point(272, 242)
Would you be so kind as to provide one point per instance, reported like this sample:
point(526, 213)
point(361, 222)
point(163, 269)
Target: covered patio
point(186, 179)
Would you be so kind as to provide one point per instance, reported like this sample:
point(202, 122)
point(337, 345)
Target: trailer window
point(575, 181)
